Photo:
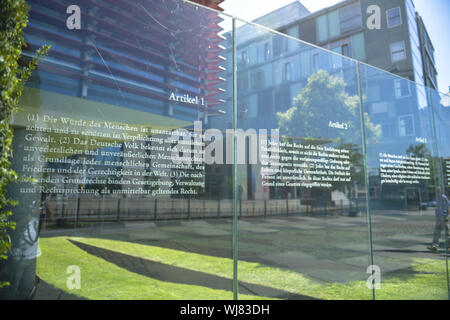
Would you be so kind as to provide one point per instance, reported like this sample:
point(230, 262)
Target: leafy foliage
point(13, 19)
point(321, 100)
point(322, 103)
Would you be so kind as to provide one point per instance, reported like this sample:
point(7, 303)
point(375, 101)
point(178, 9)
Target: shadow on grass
point(168, 273)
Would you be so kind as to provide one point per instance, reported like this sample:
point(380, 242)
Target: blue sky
point(435, 13)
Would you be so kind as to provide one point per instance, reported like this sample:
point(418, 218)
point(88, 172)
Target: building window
point(388, 130)
point(322, 28)
point(283, 98)
point(345, 50)
point(336, 59)
point(406, 126)
point(305, 64)
point(350, 17)
point(244, 57)
point(316, 62)
point(243, 111)
point(308, 31)
point(266, 51)
point(342, 48)
point(373, 93)
point(265, 103)
point(293, 31)
point(398, 51)
point(334, 29)
point(242, 81)
point(287, 76)
point(401, 88)
point(379, 107)
point(394, 17)
point(280, 45)
point(358, 47)
point(258, 79)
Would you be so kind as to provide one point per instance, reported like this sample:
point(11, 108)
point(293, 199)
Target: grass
point(424, 279)
point(102, 280)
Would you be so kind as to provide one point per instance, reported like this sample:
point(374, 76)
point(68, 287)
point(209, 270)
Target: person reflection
point(441, 219)
point(24, 253)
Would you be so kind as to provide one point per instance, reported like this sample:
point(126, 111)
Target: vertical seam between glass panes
point(440, 173)
point(235, 180)
point(366, 169)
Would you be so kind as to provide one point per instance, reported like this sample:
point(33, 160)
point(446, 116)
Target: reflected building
point(401, 45)
point(272, 69)
point(133, 56)
point(94, 134)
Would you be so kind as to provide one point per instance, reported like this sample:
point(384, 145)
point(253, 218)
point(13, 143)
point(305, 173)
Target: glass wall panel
point(115, 133)
point(300, 179)
point(441, 114)
point(404, 181)
point(166, 153)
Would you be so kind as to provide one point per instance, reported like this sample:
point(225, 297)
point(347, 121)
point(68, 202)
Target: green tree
point(318, 108)
point(418, 151)
point(13, 19)
point(322, 100)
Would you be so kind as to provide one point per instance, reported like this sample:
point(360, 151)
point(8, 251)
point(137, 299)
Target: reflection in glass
point(404, 181)
point(130, 129)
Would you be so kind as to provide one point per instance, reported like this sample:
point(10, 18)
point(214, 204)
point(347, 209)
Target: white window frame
point(387, 17)
point(398, 93)
point(412, 122)
point(244, 57)
point(287, 67)
point(404, 50)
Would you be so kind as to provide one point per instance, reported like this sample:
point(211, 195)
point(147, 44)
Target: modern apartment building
point(401, 45)
point(132, 57)
point(127, 53)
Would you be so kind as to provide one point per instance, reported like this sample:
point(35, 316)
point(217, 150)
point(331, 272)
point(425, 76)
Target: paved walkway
point(45, 291)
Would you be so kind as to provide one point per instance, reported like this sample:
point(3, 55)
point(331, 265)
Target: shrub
point(13, 19)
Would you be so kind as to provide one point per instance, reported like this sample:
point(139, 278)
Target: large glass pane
point(404, 185)
point(124, 202)
point(146, 175)
point(322, 28)
point(350, 17)
point(441, 114)
point(358, 47)
point(333, 24)
point(300, 177)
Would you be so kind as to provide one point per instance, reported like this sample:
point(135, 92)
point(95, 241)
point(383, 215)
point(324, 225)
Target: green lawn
point(103, 280)
point(100, 279)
